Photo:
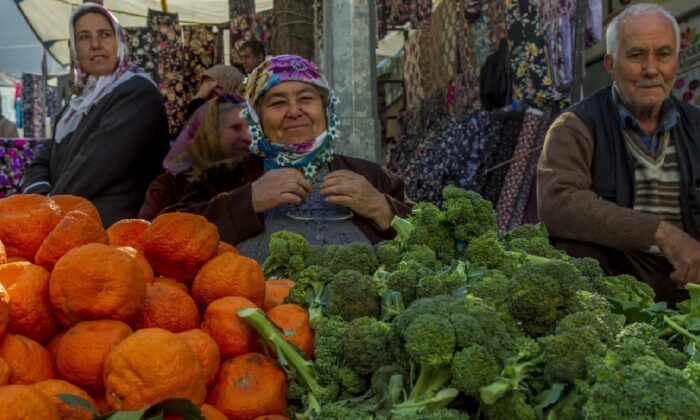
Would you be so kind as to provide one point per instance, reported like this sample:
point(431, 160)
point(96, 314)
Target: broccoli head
point(445, 282)
point(367, 343)
point(358, 256)
point(492, 287)
point(469, 213)
point(650, 336)
point(287, 254)
point(351, 295)
point(309, 291)
point(627, 288)
point(406, 278)
point(527, 232)
point(389, 255)
point(566, 352)
point(426, 226)
point(472, 368)
point(645, 389)
point(541, 294)
point(536, 246)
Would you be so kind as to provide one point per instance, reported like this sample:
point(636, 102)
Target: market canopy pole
point(349, 63)
point(164, 5)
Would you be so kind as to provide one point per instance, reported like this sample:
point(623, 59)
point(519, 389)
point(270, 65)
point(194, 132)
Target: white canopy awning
point(49, 18)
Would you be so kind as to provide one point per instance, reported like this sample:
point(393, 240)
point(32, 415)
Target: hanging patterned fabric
point(413, 84)
point(533, 82)
point(594, 22)
point(392, 13)
point(517, 167)
point(240, 7)
point(439, 56)
point(199, 42)
point(170, 66)
point(33, 111)
point(478, 38)
point(143, 50)
point(249, 26)
point(15, 154)
point(505, 130)
point(516, 219)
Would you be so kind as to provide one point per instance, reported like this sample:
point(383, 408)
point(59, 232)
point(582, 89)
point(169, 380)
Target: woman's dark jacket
point(111, 157)
point(223, 196)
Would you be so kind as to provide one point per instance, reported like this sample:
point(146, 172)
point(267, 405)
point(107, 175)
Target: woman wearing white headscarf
point(111, 139)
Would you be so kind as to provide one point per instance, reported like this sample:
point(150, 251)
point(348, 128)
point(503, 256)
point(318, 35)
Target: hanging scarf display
point(170, 65)
point(199, 42)
point(308, 156)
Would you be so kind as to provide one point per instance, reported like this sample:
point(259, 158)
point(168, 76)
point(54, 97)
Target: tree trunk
point(293, 28)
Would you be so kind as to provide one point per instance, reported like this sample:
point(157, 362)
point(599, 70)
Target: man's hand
point(206, 91)
point(279, 186)
point(682, 251)
point(349, 189)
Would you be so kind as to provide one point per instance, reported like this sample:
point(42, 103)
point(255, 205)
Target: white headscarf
point(91, 89)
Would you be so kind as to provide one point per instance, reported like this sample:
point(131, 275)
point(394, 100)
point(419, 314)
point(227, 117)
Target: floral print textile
point(143, 50)
point(399, 12)
point(200, 54)
point(15, 154)
point(249, 26)
point(518, 167)
point(33, 112)
point(169, 66)
point(533, 81)
point(240, 7)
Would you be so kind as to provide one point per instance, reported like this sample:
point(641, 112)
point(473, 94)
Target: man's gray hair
point(612, 40)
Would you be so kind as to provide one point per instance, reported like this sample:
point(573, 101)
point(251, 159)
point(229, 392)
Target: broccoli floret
point(472, 368)
point(367, 344)
point(423, 255)
point(488, 251)
point(536, 246)
point(329, 336)
point(589, 268)
point(650, 336)
point(309, 291)
point(445, 282)
point(527, 232)
point(316, 255)
point(342, 410)
point(358, 256)
point(588, 319)
point(541, 294)
point(353, 295)
point(599, 305)
point(565, 353)
point(492, 287)
point(426, 226)
point(430, 342)
point(389, 255)
point(480, 323)
point(517, 372)
point(469, 213)
point(627, 288)
point(513, 405)
point(287, 254)
point(438, 414)
point(692, 372)
point(406, 278)
point(644, 389)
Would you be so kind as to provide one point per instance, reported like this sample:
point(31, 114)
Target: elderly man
point(619, 176)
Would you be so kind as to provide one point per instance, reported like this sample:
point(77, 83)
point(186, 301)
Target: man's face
point(645, 66)
point(249, 60)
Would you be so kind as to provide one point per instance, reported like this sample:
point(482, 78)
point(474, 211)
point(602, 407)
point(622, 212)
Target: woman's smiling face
point(292, 113)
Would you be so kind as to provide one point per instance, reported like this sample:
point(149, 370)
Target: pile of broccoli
point(452, 319)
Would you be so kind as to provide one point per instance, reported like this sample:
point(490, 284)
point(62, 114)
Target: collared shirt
point(669, 118)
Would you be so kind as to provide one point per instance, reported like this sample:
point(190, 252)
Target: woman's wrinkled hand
point(279, 186)
point(350, 189)
point(682, 251)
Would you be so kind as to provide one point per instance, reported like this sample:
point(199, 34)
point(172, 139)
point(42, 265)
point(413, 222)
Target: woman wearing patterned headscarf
point(293, 180)
point(110, 140)
point(216, 134)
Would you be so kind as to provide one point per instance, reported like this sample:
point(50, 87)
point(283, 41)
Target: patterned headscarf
point(229, 77)
point(307, 156)
point(198, 147)
point(90, 88)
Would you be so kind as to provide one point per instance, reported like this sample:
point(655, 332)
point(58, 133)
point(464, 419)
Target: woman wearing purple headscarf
point(110, 140)
point(292, 180)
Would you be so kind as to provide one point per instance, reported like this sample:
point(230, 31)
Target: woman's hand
point(349, 189)
point(207, 90)
point(279, 186)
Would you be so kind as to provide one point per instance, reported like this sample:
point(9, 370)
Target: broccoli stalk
point(288, 355)
point(310, 291)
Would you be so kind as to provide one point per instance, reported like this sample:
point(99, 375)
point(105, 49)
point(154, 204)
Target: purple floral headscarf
point(307, 156)
point(90, 88)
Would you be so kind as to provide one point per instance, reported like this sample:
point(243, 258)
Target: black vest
point(612, 169)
